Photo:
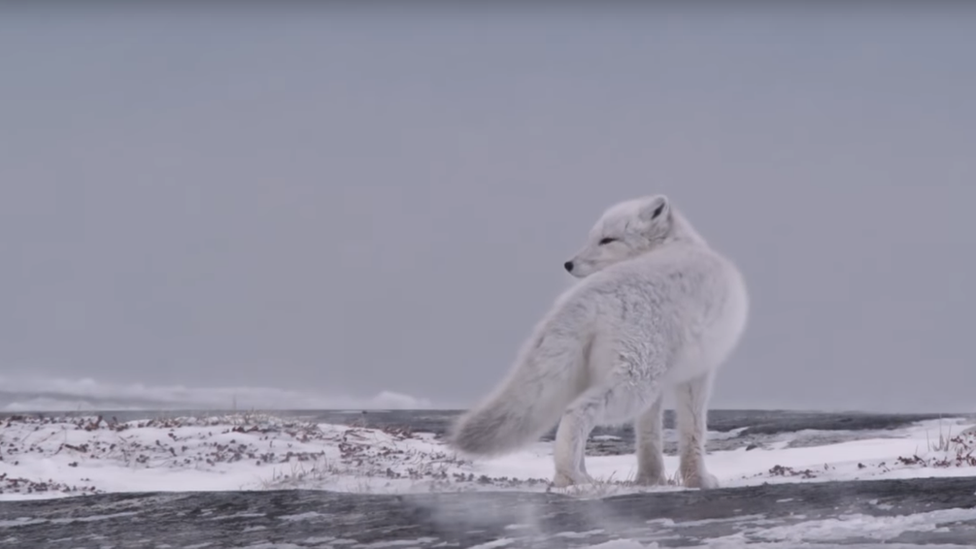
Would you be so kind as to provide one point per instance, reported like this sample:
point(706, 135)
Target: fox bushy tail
point(547, 376)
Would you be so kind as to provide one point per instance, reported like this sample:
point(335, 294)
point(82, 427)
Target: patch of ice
point(301, 516)
point(579, 535)
point(863, 526)
point(498, 543)
point(624, 544)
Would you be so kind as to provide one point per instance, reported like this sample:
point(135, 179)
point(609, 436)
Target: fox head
point(626, 230)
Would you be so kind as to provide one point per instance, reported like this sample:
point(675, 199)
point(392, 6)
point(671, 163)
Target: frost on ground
point(843, 529)
point(51, 457)
point(66, 456)
point(815, 533)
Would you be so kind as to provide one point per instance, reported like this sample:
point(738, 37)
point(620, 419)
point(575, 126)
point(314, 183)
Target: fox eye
point(607, 240)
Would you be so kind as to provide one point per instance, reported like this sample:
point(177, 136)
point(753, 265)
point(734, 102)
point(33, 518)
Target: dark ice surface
point(943, 511)
point(306, 519)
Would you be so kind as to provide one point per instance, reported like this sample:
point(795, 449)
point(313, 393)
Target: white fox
point(656, 308)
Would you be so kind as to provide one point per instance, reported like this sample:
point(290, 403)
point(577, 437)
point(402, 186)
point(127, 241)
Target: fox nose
point(569, 266)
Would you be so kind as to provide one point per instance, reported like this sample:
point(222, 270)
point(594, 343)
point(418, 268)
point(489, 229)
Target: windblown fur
point(656, 308)
point(533, 396)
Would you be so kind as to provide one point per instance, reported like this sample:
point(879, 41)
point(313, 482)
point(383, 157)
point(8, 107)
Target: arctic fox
point(657, 308)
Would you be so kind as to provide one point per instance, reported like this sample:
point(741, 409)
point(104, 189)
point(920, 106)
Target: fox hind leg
point(569, 450)
point(619, 399)
point(649, 429)
point(691, 408)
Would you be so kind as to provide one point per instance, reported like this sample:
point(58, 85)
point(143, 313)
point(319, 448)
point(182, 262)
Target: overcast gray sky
point(343, 202)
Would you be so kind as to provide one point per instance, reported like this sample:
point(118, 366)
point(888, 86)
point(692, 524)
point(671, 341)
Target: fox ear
point(655, 208)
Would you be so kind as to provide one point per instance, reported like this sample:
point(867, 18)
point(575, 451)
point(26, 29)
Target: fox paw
point(651, 479)
point(703, 480)
point(563, 479)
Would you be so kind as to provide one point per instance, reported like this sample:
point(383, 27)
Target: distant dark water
point(765, 422)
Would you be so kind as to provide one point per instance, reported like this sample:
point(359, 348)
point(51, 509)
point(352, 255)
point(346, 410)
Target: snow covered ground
point(55, 457)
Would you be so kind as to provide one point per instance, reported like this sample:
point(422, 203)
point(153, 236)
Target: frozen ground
point(365, 457)
point(57, 456)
